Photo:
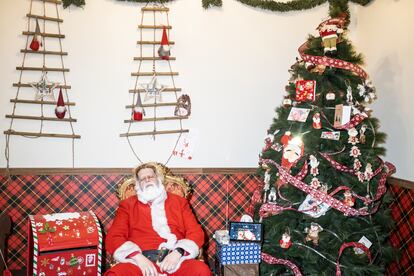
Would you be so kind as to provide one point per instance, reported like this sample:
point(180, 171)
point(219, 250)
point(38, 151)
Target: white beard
point(150, 193)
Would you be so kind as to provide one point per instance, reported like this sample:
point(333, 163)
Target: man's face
point(147, 178)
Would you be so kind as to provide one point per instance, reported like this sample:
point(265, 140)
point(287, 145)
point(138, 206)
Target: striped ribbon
point(351, 244)
point(272, 260)
point(99, 243)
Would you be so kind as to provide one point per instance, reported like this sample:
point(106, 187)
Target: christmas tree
point(324, 203)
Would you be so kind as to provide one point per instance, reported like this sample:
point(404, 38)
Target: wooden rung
point(164, 9)
point(35, 134)
point(28, 85)
point(152, 105)
point(44, 17)
point(52, 1)
point(153, 42)
point(45, 34)
point(157, 119)
point(39, 102)
point(165, 90)
point(153, 132)
point(44, 52)
point(43, 69)
point(40, 118)
point(143, 74)
point(151, 58)
point(154, 27)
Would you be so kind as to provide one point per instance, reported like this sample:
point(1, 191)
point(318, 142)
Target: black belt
point(155, 255)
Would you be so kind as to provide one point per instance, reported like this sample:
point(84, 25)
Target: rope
point(7, 148)
point(155, 98)
point(65, 89)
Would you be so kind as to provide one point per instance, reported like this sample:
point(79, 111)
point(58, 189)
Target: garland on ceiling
point(293, 5)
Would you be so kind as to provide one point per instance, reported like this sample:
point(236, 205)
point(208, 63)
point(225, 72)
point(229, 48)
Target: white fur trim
point(121, 253)
point(190, 247)
point(160, 223)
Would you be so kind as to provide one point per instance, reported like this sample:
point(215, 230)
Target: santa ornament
point(317, 121)
point(164, 50)
point(36, 43)
point(314, 163)
point(285, 241)
point(293, 149)
point(60, 109)
point(348, 199)
point(329, 31)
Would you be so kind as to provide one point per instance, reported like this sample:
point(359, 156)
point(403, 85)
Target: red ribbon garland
point(332, 202)
point(351, 244)
point(332, 62)
point(272, 260)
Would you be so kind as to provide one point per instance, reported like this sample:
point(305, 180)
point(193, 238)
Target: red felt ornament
point(305, 90)
point(60, 109)
point(138, 111)
point(164, 50)
point(36, 43)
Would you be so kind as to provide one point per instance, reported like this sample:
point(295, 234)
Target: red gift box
point(64, 244)
point(305, 90)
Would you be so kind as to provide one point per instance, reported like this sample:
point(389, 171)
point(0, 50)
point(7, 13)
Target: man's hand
point(146, 266)
point(170, 261)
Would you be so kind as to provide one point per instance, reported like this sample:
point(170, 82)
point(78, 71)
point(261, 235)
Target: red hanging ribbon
point(272, 260)
point(332, 62)
point(351, 244)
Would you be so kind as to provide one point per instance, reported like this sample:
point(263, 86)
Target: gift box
point(238, 253)
point(305, 90)
point(64, 244)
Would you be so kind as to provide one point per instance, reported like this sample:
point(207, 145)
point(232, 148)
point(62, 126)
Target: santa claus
point(155, 232)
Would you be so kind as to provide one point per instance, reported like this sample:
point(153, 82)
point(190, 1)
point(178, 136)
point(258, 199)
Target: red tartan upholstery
point(32, 194)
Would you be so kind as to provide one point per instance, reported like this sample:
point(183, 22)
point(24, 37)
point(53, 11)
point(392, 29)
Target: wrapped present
point(305, 90)
point(238, 253)
point(64, 244)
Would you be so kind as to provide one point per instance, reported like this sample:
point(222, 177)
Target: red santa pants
point(188, 267)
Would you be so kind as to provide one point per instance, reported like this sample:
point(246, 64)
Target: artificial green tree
point(322, 168)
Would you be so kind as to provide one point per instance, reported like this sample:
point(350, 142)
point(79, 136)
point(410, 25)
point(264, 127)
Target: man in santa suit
point(151, 222)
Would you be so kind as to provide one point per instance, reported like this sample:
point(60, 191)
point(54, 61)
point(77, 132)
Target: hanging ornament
point(272, 197)
point(287, 102)
point(348, 199)
point(357, 164)
point(305, 90)
point(153, 90)
point(317, 121)
point(313, 233)
point(36, 41)
point(314, 163)
point(183, 107)
point(367, 91)
point(277, 147)
point(268, 141)
point(292, 150)
point(138, 111)
point(60, 109)
point(349, 98)
point(368, 174)
point(312, 206)
point(285, 241)
point(342, 115)
point(365, 242)
point(164, 49)
point(331, 135)
point(352, 139)
point(355, 152)
point(43, 87)
point(362, 137)
point(361, 176)
point(330, 96)
point(315, 183)
point(298, 114)
point(267, 180)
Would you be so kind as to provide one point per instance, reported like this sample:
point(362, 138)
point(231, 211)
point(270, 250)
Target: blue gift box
point(238, 253)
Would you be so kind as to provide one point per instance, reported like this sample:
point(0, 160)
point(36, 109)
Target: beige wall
point(233, 61)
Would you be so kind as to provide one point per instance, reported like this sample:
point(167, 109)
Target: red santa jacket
point(167, 222)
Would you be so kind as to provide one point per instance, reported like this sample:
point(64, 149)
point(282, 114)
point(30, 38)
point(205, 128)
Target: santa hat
point(164, 50)
point(60, 109)
point(36, 43)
